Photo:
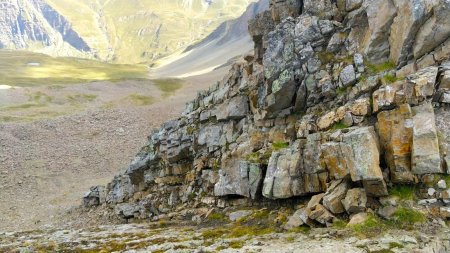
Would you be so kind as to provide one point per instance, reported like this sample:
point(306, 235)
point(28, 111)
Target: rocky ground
point(47, 164)
point(251, 231)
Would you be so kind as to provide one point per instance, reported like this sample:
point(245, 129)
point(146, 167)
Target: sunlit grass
point(25, 69)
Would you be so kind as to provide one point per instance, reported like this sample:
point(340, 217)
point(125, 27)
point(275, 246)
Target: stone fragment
point(420, 85)
point(425, 152)
point(234, 108)
point(325, 9)
point(234, 216)
point(347, 76)
point(441, 184)
point(321, 214)
point(295, 220)
point(351, 5)
point(444, 212)
point(126, 210)
point(210, 135)
point(358, 218)
point(445, 80)
point(355, 201)
point(366, 159)
point(387, 211)
point(96, 196)
point(359, 62)
point(336, 192)
point(119, 190)
point(326, 120)
point(384, 97)
point(395, 129)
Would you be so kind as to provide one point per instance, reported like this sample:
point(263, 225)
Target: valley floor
point(56, 142)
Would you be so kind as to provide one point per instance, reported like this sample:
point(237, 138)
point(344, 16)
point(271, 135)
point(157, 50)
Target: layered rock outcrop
point(319, 108)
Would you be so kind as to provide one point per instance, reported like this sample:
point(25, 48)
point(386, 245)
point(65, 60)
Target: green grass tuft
point(338, 125)
point(404, 192)
point(381, 67)
point(279, 145)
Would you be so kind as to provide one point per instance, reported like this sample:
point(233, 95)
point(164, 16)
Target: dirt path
point(46, 165)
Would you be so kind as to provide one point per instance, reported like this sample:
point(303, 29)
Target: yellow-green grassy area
point(25, 69)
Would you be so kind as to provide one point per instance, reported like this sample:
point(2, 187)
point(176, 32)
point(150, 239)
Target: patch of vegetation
point(279, 145)
point(39, 97)
point(168, 86)
point(262, 214)
point(383, 251)
point(446, 179)
point(381, 67)
point(404, 192)
point(390, 79)
point(81, 98)
point(239, 231)
point(339, 224)
point(373, 226)
point(217, 217)
point(302, 229)
point(15, 70)
point(214, 233)
point(338, 125)
point(325, 57)
point(141, 100)
point(261, 157)
point(236, 244)
point(395, 245)
point(405, 218)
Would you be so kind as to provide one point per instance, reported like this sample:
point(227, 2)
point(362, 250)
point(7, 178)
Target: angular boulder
point(335, 194)
point(245, 180)
point(366, 159)
point(425, 152)
point(411, 15)
point(355, 201)
point(395, 129)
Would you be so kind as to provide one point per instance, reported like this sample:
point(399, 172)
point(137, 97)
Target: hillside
point(115, 30)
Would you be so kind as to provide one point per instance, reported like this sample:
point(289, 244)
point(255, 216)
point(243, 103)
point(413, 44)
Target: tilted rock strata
point(313, 111)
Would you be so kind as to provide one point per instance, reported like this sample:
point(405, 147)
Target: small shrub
point(338, 125)
point(406, 218)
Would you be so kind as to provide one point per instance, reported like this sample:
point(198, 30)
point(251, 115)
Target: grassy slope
point(15, 71)
point(131, 24)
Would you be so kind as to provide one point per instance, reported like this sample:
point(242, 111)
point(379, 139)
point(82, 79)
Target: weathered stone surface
point(434, 31)
point(119, 190)
point(410, 17)
point(335, 159)
point(387, 211)
point(384, 97)
point(245, 181)
point(210, 135)
point(126, 210)
point(95, 196)
point(322, 8)
point(347, 76)
point(234, 108)
point(366, 158)
point(295, 220)
point(285, 8)
point(326, 120)
point(420, 85)
point(284, 177)
point(355, 201)
point(370, 29)
point(351, 5)
point(358, 219)
point(335, 194)
point(425, 152)
point(395, 129)
point(321, 214)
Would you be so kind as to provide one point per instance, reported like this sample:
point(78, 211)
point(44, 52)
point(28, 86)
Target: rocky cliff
point(340, 101)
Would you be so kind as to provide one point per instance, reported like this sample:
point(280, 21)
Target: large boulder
point(245, 182)
point(336, 192)
point(395, 129)
point(425, 152)
point(355, 201)
point(95, 196)
point(282, 9)
point(366, 160)
point(435, 31)
point(119, 190)
point(333, 157)
point(284, 174)
point(411, 15)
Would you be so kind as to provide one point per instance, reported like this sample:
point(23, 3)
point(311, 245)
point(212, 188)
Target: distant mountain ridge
point(118, 31)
